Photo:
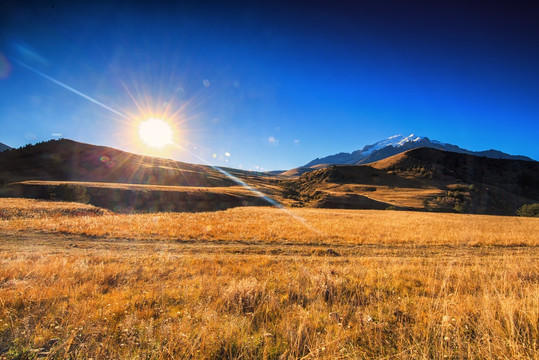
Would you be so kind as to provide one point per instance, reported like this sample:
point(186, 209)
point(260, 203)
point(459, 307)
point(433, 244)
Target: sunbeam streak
point(67, 87)
point(235, 179)
point(253, 190)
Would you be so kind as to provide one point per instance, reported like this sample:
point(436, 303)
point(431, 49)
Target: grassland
point(300, 226)
point(128, 198)
point(142, 187)
point(13, 208)
point(267, 283)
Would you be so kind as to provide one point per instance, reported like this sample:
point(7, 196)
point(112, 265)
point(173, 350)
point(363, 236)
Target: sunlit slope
point(302, 170)
point(122, 181)
point(15, 208)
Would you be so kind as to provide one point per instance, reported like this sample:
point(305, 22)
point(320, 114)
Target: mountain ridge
point(423, 179)
point(4, 147)
point(399, 143)
point(70, 160)
point(103, 173)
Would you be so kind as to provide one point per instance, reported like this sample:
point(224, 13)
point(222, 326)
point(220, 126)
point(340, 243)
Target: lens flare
point(5, 67)
point(155, 133)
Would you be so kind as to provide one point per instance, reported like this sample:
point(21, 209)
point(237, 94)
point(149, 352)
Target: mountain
point(67, 160)
point(4, 147)
point(399, 143)
point(423, 179)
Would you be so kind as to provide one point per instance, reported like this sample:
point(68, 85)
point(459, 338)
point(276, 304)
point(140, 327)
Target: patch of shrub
point(464, 188)
point(530, 210)
point(290, 191)
point(69, 192)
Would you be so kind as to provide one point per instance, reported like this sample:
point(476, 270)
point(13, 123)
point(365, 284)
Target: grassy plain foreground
point(266, 283)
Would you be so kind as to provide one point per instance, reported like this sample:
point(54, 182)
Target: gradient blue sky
point(273, 84)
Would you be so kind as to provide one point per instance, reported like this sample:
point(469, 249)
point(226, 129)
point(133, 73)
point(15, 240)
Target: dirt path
point(67, 243)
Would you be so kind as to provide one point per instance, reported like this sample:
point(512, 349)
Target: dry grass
point(405, 197)
point(12, 208)
point(402, 297)
point(164, 304)
point(273, 225)
point(239, 190)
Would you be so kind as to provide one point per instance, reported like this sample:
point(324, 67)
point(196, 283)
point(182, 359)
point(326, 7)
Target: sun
point(155, 132)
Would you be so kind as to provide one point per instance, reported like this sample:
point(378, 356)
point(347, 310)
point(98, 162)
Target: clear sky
point(270, 84)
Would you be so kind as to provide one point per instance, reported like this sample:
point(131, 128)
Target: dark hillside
point(438, 180)
point(419, 179)
point(66, 160)
point(516, 176)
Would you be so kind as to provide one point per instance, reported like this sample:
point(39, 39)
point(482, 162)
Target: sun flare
point(155, 132)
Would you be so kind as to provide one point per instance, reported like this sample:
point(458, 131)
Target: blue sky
point(273, 84)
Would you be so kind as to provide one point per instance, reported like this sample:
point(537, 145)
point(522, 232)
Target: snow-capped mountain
point(395, 141)
point(398, 143)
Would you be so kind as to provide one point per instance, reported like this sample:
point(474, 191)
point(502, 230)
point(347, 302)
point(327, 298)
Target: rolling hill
point(168, 184)
point(424, 179)
point(74, 161)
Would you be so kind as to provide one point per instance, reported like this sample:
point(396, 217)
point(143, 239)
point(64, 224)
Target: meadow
point(266, 283)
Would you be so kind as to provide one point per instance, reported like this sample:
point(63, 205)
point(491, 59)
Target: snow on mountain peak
point(395, 141)
point(408, 139)
point(399, 143)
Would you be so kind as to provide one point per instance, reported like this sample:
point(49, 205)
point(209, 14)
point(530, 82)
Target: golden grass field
point(302, 226)
point(235, 190)
point(266, 283)
point(11, 209)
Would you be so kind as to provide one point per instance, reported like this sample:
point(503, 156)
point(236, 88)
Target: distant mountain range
point(399, 143)
point(4, 147)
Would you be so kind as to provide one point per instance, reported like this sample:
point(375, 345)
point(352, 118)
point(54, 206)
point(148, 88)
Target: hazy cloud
point(273, 141)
